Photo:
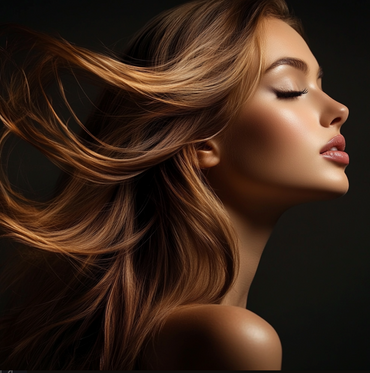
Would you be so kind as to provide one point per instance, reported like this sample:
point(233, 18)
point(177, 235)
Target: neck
point(253, 233)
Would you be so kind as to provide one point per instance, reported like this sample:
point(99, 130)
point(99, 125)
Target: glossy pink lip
point(338, 155)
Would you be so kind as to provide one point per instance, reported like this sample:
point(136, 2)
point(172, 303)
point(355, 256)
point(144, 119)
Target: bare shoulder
point(215, 337)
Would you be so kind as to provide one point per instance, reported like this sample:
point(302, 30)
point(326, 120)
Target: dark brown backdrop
point(314, 280)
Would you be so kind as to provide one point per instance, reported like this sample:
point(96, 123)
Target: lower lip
point(337, 156)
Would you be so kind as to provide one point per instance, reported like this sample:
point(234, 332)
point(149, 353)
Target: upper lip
point(337, 141)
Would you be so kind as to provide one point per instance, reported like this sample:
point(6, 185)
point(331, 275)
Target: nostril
point(337, 120)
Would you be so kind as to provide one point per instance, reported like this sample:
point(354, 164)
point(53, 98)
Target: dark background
point(313, 284)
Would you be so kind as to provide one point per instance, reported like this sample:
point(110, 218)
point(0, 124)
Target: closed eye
point(289, 94)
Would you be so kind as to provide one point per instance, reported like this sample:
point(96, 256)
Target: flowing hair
point(134, 231)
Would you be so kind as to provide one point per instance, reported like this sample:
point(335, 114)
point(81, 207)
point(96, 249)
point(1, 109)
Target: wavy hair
point(134, 230)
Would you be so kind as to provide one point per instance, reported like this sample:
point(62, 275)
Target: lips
point(334, 150)
point(336, 142)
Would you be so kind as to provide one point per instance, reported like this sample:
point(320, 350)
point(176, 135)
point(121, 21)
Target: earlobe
point(208, 154)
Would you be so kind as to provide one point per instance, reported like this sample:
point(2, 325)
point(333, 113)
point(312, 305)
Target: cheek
point(272, 153)
point(272, 142)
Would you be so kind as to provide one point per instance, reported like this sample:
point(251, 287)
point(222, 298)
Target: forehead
point(280, 41)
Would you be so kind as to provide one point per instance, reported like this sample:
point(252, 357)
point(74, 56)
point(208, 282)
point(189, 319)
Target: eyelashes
point(289, 94)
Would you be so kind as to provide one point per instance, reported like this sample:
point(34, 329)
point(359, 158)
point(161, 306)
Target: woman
point(210, 126)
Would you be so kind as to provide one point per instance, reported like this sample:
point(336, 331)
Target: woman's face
point(274, 152)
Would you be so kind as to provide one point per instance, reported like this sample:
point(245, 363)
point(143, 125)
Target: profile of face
point(285, 146)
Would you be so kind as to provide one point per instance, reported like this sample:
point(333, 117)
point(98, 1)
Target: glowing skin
point(282, 150)
point(271, 155)
point(271, 158)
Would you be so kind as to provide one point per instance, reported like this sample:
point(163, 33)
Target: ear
point(209, 154)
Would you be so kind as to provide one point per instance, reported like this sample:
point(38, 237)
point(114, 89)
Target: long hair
point(134, 230)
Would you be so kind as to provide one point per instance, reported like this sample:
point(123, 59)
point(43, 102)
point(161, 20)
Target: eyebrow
point(294, 62)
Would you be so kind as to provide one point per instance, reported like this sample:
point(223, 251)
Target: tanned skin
point(266, 162)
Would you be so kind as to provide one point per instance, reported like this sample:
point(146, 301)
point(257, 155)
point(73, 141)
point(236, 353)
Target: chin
point(331, 184)
point(338, 192)
point(317, 192)
point(338, 187)
point(329, 192)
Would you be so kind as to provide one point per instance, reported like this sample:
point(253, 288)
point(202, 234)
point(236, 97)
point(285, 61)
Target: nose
point(334, 113)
